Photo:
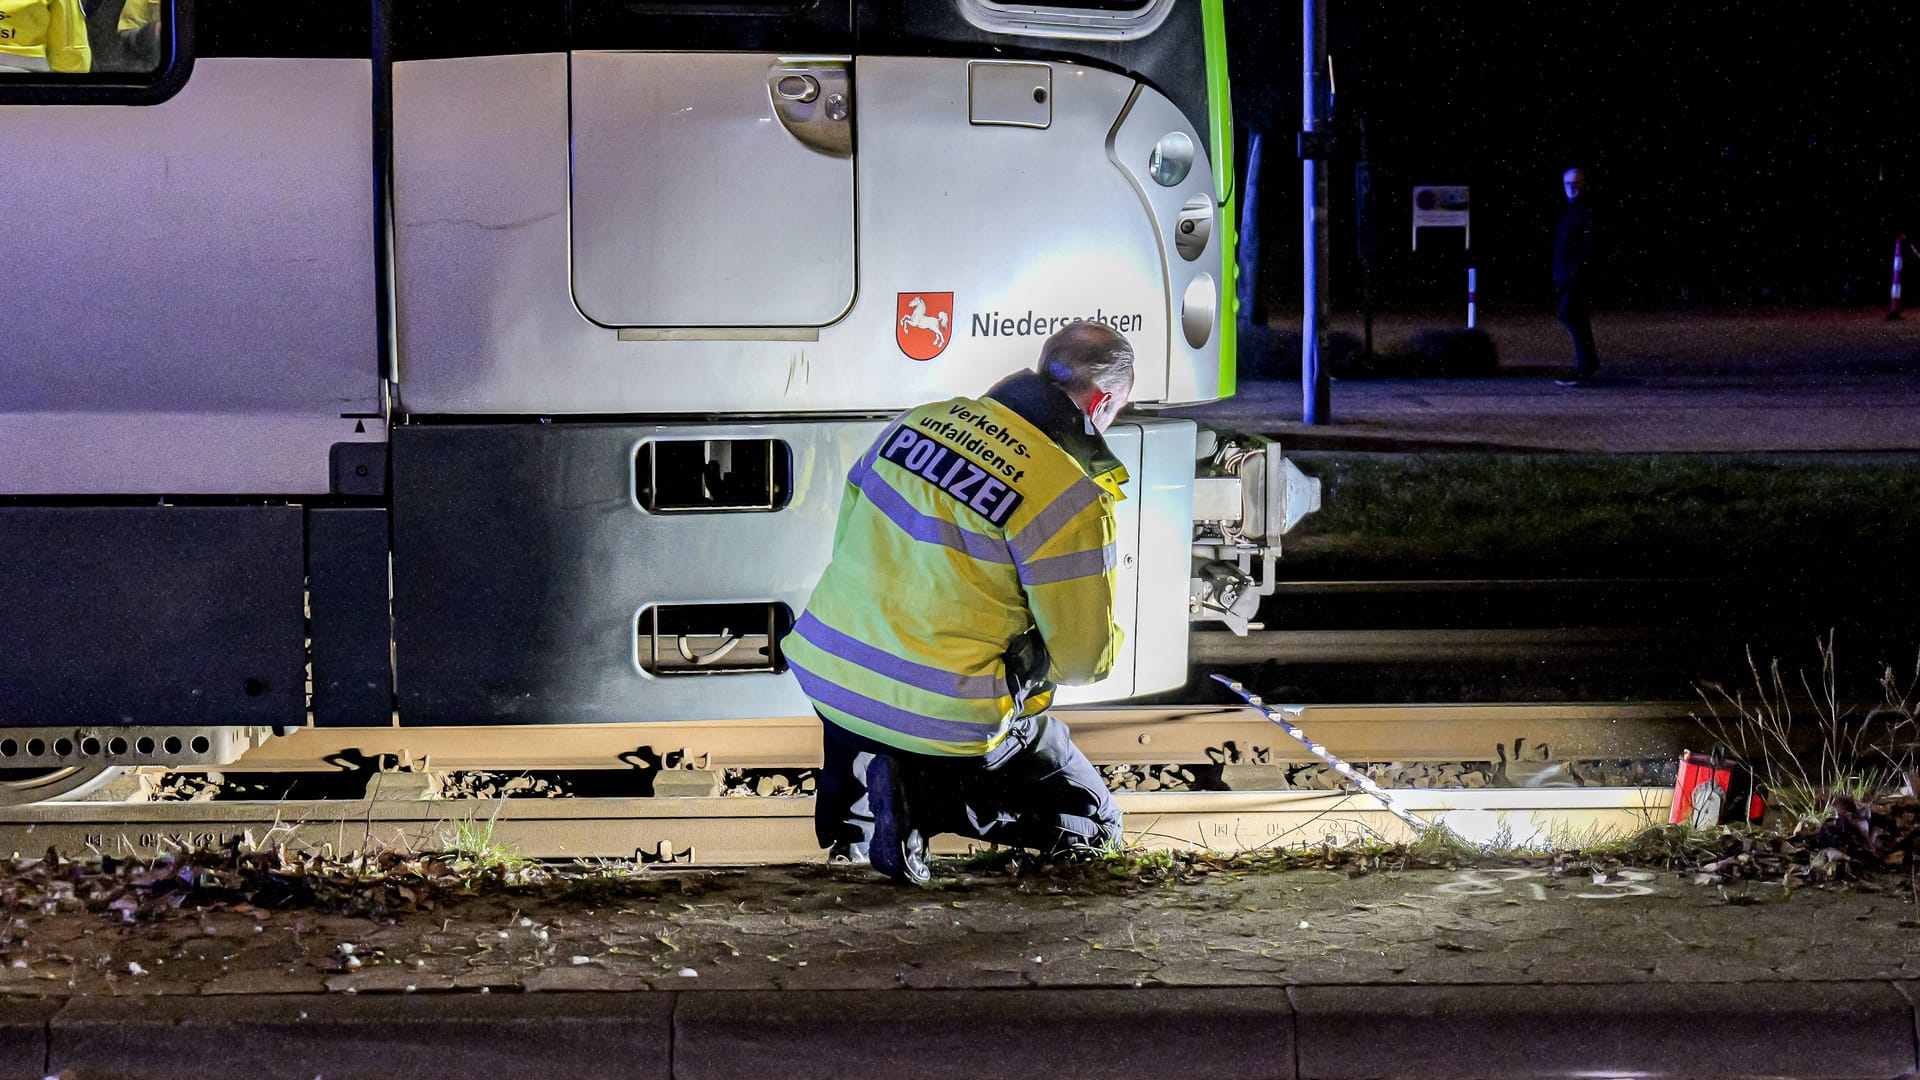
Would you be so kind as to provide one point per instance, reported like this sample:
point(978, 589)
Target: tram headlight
point(1172, 159)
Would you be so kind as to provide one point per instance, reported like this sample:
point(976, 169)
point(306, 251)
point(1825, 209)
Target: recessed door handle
point(801, 88)
point(813, 99)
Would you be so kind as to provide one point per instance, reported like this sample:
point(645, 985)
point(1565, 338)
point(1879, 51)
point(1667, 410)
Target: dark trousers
point(1576, 314)
point(1035, 790)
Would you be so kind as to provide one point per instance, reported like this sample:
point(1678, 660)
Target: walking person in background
point(1573, 260)
point(139, 32)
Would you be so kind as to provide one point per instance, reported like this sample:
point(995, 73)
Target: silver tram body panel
point(194, 294)
point(524, 565)
point(203, 323)
point(1018, 223)
point(510, 234)
point(193, 301)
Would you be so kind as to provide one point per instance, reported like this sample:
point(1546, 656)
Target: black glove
point(1027, 665)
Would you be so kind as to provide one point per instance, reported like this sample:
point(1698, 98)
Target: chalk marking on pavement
point(1498, 880)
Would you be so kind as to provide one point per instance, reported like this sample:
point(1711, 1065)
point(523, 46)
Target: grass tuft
point(1441, 846)
point(478, 855)
point(1810, 745)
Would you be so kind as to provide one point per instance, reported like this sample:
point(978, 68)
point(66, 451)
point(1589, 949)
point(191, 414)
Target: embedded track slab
point(743, 831)
point(1107, 735)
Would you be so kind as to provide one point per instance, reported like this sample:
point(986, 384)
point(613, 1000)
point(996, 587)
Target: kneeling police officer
point(972, 570)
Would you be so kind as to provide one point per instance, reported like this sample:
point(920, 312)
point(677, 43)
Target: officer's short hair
point(1088, 355)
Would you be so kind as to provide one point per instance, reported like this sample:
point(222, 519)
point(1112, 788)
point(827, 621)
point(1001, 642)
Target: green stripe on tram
point(1220, 151)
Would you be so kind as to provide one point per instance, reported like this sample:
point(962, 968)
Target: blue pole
point(1249, 287)
point(1315, 386)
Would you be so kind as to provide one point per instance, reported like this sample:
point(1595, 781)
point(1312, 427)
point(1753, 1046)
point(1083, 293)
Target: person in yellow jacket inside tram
point(972, 569)
point(139, 29)
point(44, 35)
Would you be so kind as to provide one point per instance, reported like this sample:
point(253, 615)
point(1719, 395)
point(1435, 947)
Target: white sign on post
point(1440, 208)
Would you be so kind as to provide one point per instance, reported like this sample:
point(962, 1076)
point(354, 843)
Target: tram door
point(712, 163)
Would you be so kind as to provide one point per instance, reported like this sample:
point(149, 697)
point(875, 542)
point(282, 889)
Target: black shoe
point(848, 853)
point(898, 850)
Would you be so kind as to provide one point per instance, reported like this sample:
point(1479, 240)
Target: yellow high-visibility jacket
point(53, 32)
point(136, 14)
point(970, 529)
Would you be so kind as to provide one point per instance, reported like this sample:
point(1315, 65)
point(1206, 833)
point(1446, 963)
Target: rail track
point(1108, 736)
point(735, 831)
point(1427, 646)
point(685, 821)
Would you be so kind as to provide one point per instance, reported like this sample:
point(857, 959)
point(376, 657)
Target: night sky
point(1740, 153)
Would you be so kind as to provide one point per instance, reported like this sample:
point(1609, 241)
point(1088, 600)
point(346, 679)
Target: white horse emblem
point(917, 318)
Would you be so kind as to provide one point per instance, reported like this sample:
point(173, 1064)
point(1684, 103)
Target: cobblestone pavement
point(811, 928)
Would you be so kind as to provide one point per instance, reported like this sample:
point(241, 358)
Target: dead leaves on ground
point(235, 878)
point(1856, 841)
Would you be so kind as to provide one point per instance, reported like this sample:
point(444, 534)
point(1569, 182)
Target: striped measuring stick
point(1321, 752)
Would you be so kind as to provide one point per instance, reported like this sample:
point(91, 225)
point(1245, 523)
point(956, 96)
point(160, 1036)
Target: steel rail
point(1449, 646)
point(1388, 586)
point(737, 831)
point(1108, 735)
point(1340, 765)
